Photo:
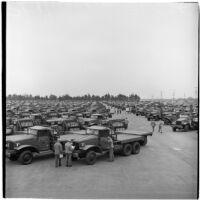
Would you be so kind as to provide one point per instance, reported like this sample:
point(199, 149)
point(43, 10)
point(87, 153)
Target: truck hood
point(77, 137)
point(19, 138)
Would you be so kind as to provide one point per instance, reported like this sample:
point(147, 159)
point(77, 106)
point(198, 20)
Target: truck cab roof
point(98, 128)
point(40, 128)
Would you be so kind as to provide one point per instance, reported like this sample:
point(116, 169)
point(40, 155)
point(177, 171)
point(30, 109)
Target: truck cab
point(22, 147)
point(115, 124)
point(183, 122)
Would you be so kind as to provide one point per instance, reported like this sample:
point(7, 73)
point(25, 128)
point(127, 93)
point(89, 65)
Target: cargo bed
point(128, 138)
point(133, 132)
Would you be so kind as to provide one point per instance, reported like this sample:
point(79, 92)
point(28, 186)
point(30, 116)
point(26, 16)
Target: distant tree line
point(86, 97)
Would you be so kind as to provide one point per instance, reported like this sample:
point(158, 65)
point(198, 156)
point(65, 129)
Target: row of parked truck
point(177, 116)
point(89, 143)
point(37, 135)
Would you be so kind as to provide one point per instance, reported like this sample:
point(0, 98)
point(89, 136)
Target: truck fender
point(91, 147)
point(27, 147)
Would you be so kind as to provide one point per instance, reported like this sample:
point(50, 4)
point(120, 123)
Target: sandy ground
point(165, 168)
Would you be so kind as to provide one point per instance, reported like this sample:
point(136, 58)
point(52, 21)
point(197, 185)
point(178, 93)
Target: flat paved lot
point(165, 168)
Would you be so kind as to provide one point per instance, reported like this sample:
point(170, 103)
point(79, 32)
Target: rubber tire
point(145, 141)
point(174, 129)
point(136, 148)
point(26, 157)
point(127, 149)
point(90, 157)
point(186, 128)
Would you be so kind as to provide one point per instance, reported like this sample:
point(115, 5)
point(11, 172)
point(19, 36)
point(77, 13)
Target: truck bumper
point(11, 153)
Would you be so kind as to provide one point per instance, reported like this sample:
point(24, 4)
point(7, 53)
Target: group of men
point(58, 151)
point(160, 125)
point(69, 148)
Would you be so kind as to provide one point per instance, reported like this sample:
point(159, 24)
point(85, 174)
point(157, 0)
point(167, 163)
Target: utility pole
point(196, 93)
point(161, 95)
point(173, 95)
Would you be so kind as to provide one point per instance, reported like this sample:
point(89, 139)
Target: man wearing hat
point(68, 153)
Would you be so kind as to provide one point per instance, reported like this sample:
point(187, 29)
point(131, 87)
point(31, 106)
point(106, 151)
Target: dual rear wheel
point(133, 148)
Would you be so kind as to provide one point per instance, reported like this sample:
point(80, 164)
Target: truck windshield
point(32, 131)
point(94, 117)
point(92, 132)
point(26, 123)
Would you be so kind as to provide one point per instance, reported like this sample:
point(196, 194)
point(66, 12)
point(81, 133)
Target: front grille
point(10, 145)
point(178, 123)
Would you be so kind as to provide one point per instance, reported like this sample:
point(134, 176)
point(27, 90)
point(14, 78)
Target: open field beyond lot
point(165, 168)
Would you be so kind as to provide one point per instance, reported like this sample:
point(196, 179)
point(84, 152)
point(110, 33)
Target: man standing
point(111, 148)
point(160, 127)
point(58, 152)
point(68, 153)
point(153, 124)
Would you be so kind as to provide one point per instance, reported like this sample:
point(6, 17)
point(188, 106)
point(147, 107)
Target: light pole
point(173, 95)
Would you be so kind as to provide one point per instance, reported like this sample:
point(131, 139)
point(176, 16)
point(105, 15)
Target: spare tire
point(136, 148)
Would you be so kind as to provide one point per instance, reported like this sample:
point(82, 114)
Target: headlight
point(173, 123)
point(82, 144)
point(17, 144)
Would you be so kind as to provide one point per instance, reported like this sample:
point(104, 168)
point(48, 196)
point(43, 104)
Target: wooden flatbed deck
point(126, 138)
point(133, 132)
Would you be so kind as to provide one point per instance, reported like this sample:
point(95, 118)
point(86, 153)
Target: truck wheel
point(145, 141)
point(186, 128)
point(91, 157)
point(174, 129)
point(136, 148)
point(127, 150)
point(26, 157)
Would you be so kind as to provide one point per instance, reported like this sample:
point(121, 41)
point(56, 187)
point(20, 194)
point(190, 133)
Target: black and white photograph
point(101, 100)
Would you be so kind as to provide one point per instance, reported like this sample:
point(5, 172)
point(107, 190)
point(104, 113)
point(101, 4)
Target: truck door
point(43, 140)
point(103, 140)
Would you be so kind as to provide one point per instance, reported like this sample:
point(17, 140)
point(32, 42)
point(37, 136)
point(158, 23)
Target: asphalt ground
point(165, 168)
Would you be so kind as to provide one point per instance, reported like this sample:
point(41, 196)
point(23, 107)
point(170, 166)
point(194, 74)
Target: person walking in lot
point(153, 124)
point(160, 126)
point(58, 152)
point(111, 148)
point(68, 153)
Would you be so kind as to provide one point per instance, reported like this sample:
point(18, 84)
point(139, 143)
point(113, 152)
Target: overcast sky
point(75, 49)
